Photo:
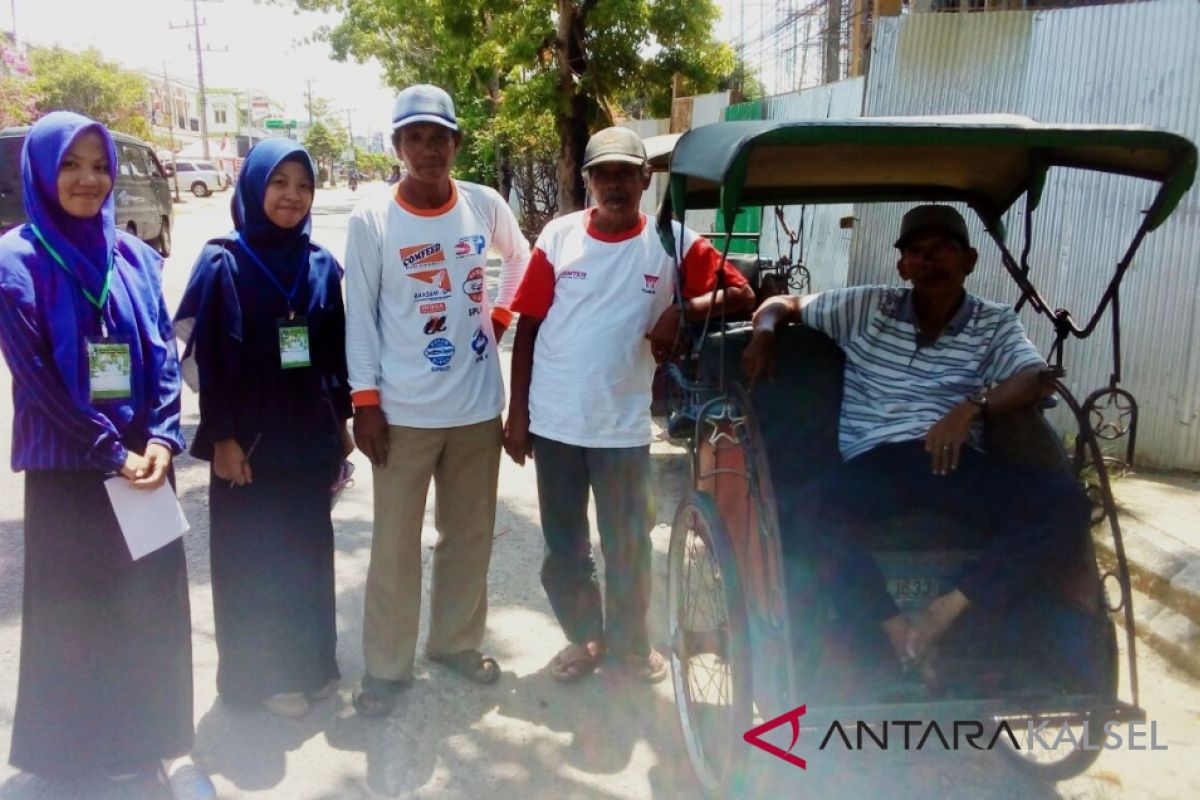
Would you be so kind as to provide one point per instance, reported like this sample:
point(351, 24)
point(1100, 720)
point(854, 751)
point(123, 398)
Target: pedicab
point(751, 637)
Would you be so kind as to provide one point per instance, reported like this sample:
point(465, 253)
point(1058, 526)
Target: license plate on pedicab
point(912, 593)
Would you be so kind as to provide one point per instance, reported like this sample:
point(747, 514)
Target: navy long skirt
point(273, 584)
point(106, 641)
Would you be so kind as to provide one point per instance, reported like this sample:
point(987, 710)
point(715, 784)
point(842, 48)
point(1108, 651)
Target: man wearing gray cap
point(425, 378)
point(595, 306)
point(924, 367)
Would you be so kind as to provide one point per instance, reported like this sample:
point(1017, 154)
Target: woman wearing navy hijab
point(264, 324)
point(106, 659)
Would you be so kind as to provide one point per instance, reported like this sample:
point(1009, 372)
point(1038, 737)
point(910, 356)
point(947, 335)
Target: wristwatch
point(979, 398)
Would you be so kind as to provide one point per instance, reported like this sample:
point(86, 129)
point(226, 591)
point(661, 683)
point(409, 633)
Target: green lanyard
point(98, 302)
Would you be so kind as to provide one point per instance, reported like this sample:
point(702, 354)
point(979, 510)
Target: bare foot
point(899, 632)
point(934, 621)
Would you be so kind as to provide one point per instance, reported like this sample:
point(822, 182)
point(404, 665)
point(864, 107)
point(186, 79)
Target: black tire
point(200, 189)
point(163, 243)
point(703, 587)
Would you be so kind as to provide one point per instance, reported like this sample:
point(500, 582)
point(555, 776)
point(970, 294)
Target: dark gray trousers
point(619, 477)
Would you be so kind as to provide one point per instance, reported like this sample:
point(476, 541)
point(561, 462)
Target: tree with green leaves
point(18, 103)
point(325, 147)
point(87, 84)
point(562, 66)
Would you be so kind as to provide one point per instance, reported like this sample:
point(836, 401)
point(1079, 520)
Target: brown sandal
point(576, 661)
point(650, 668)
point(471, 664)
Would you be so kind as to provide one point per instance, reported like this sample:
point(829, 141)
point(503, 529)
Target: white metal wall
point(823, 245)
point(1130, 64)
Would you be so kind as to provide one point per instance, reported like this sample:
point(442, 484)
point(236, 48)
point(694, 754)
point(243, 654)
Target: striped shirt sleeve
point(841, 314)
point(1010, 351)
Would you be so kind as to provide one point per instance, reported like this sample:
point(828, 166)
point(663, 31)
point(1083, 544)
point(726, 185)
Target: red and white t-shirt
point(598, 295)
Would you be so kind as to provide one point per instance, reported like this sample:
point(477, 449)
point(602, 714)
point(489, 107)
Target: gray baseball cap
point(424, 102)
point(617, 144)
point(933, 218)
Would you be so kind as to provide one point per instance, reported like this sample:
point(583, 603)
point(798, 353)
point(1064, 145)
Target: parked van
point(141, 192)
point(201, 177)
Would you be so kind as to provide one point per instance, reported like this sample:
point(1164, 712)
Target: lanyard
point(290, 296)
point(98, 302)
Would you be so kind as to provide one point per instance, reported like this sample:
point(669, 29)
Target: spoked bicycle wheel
point(710, 654)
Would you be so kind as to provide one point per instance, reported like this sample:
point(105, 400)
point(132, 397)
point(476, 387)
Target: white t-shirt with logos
point(418, 320)
point(598, 295)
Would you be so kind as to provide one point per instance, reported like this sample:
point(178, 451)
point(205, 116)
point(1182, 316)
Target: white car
point(201, 177)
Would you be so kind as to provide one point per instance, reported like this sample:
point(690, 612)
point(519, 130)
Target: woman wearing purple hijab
point(106, 660)
point(265, 330)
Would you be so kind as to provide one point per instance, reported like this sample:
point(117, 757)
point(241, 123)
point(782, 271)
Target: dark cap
point(615, 144)
point(423, 103)
point(933, 218)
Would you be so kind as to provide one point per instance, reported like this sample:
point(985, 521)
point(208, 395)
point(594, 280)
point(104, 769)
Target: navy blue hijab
point(278, 247)
point(286, 252)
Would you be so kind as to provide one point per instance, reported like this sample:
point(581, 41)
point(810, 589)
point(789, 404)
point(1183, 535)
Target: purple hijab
point(52, 317)
point(84, 244)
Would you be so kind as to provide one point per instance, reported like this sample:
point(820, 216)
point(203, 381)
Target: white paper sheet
point(149, 518)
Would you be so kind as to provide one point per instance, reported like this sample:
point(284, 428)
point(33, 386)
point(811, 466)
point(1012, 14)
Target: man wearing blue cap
point(924, 367)
point(425, 375)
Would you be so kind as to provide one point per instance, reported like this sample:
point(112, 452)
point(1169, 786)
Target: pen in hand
point(249, 453)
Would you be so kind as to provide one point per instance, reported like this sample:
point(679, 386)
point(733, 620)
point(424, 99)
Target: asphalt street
point(527, 737)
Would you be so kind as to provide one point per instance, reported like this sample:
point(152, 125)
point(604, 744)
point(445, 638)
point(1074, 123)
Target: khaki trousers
point(464, 463)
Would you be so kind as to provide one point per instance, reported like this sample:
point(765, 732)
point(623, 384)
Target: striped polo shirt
point(897, 386)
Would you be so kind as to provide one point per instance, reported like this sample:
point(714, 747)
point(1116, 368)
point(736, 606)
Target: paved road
point(528, 737)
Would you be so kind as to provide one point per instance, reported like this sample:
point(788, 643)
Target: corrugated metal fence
point(1131, 64)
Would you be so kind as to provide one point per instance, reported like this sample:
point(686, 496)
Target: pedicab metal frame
point(988, 163)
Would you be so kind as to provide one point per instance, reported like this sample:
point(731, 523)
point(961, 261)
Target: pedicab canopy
point(985, 161)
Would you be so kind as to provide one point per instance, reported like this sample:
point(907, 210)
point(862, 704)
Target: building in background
point(237, 118)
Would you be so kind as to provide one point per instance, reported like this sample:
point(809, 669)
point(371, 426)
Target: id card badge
point(110, 369)
point(293, 342)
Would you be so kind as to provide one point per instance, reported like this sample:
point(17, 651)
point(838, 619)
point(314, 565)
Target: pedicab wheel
point(1065, 761)
point(710, 651)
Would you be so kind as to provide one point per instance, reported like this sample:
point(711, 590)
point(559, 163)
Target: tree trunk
point(572, 117)
point(504, 166)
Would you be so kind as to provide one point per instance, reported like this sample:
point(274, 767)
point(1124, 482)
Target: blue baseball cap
point(424, 102)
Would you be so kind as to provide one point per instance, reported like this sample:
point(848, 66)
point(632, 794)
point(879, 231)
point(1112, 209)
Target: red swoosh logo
point(754, 736)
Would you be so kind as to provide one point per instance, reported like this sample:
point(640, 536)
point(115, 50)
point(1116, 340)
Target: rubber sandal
point(377, 697)
point(577, 667)
point(471, 664)
point(650, 668)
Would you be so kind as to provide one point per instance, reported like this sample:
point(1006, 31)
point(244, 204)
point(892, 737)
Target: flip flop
point(575, 662)
point(376, 697)
point(650, 668)
point(471, 664)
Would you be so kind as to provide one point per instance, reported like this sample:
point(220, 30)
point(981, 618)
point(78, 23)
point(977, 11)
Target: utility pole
point(195, 26)
point(310, 114)
point(170, 128)
point(14, 20)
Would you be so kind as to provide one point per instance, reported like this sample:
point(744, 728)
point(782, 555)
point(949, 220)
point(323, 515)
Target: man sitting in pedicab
point(924, 368)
